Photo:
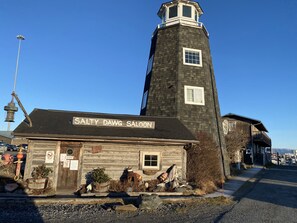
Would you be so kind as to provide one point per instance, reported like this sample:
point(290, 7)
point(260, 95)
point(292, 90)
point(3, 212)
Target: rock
point(11, 187)
point(148, 202)
point(181, 189)
point(128, 207)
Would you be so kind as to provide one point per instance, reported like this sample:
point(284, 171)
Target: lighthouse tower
point(180, 80)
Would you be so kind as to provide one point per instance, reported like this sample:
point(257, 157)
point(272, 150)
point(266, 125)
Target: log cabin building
point(75, 143)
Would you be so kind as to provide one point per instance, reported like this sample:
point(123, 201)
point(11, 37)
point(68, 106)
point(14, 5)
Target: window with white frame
point(194, 95)
point(144, 100)
point(151, 160)
point(192, 57)
point(150, 65)
point(187, 11)
point(172, 12)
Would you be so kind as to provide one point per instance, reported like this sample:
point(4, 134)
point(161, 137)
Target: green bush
point(41, 171)
point(99, 176)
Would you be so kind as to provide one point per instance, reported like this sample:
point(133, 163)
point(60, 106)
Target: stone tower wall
point(169, 75)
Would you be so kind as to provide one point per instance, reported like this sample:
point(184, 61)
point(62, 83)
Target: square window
point(187, 11)
point(172, 11)
point(151, 160)
point(192, 57)
point(194, 95)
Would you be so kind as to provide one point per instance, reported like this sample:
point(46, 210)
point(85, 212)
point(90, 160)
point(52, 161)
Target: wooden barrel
point(37, 184)
point(101, 187)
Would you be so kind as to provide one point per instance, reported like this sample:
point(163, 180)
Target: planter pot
point(37, 184)
point(101, 187)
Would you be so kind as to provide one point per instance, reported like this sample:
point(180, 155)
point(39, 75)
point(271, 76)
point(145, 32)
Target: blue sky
point(90, 55)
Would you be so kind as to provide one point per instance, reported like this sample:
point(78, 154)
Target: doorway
point(68, 165)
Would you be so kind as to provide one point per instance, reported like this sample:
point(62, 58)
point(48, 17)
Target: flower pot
point(37, 184)
point(101, 187)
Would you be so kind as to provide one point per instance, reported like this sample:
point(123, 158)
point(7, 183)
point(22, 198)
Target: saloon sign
point(113, 123)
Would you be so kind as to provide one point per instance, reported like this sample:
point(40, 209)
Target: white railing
point(199, 24)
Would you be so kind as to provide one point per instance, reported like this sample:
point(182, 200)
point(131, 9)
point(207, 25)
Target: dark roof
point(257, 123)
point(6, 134)
point(58, 124)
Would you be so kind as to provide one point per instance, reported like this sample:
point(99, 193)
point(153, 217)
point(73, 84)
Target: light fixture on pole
point(11, 108)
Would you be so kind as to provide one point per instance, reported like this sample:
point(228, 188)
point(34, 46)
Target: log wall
point(114, 157)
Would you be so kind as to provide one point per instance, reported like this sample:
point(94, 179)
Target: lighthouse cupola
point(180, 11)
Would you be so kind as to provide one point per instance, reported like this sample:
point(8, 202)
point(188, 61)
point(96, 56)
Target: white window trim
point(142, 155)
point(187, 20)
point(144, 100)
point(186, 87)
point(193, 50)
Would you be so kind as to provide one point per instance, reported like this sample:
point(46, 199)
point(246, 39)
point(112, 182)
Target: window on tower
point(144, 100)
point(173, 11)
point(150, 65)
point(187, 11)
point(192, 57)
point(196, 16)
point(194, 95)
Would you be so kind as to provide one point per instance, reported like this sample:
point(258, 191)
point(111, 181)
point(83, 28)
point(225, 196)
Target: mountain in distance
point(282, 150)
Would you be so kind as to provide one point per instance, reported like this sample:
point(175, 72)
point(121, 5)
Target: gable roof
point(257, 123)
point(59, 124)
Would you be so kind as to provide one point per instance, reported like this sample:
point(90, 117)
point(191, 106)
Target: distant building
point(258, 147)
point(6, 137)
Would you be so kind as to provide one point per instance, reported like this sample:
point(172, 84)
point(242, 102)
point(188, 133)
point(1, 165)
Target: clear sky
point(90, 55)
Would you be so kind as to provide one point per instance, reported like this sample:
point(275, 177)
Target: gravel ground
point(194, 210)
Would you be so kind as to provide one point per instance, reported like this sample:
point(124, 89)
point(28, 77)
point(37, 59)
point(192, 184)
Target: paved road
point(273, 199)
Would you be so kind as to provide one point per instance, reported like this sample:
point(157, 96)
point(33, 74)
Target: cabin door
point(68, 165)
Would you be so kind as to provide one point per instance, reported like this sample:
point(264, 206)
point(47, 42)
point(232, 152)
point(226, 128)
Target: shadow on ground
point(15, 205)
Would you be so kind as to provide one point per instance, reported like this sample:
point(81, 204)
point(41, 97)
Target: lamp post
point(11, 108)
point(20, 38)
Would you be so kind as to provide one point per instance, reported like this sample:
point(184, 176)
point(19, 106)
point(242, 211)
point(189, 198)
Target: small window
point(150, 160)
point(164, 17)
point(196, 16)
point(173, 11)
point(232, 125)
point(187, 11)
point(194, 95)
point(150, 65)
point(144, 100)
point(192, 57)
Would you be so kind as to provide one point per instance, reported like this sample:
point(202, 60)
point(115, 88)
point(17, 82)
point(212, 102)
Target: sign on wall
point(49, 156)
point(113, 123)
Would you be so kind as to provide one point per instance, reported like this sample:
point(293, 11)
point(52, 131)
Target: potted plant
point(100, 180)
point(39, 177)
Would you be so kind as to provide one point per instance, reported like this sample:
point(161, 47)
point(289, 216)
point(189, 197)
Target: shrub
point(41, 171)
point(99, 176)
point(205, 164)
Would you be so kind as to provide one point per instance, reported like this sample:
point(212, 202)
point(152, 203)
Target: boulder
point(128, 207)
point(11, 187)
point(148, 202)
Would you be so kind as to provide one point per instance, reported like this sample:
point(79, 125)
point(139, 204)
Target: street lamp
point(20, 38)
point(11, 108)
